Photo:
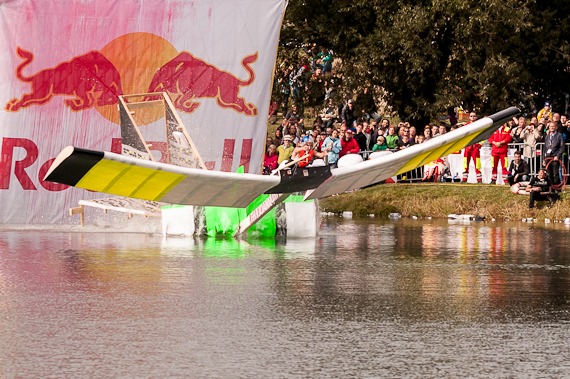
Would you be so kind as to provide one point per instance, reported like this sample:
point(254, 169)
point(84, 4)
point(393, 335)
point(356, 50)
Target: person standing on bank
point(347, 115)
point(500, 141)
point(553, 149)
point(472, 152)
point(540, 188)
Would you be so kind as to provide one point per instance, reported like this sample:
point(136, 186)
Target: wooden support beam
point(143, 94)
point(145, 104)
point(292, 163)
point(80, 210)
point(133, 122)
point(168, 103)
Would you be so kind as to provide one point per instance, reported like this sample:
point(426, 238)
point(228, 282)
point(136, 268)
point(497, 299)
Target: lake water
point(368, 298)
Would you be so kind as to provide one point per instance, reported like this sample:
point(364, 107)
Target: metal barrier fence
point(533, 156)
point(414, 175)
point(537, 152)
point(530, 152)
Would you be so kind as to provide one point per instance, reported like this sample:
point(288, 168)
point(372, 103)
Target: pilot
point(307, 154)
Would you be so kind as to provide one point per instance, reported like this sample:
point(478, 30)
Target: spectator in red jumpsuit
point(500, 141)
point(349, 144)
point(472, 152)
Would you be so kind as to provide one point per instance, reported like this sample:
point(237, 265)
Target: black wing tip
point(71, 164)
point(505, 114)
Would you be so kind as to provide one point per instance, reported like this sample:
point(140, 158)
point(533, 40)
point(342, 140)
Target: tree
point(432, 54)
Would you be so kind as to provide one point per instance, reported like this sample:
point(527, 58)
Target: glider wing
point(143, 179)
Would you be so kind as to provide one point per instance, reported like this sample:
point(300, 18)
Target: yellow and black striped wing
point(141, 179)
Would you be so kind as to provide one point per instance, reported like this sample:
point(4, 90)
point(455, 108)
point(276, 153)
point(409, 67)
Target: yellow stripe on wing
point(438, 152)
point(414, 162)
point(121, 179)
point(159, 185)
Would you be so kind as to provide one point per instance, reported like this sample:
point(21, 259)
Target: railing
point(414, 175)
point(533, 160)
point(540, 153)
point(537, 152)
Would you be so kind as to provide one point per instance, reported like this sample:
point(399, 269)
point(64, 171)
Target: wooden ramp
point(180, 149)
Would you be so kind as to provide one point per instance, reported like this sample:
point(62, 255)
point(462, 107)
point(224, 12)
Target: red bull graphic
point(92, 80)
point(21, 167)
point(187, 78)
point(149, 63)
point(60, 83)
point(88, 78)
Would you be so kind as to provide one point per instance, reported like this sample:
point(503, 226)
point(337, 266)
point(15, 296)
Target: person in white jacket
point(530, 135)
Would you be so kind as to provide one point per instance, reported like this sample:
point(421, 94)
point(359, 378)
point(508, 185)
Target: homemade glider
point(148, 180)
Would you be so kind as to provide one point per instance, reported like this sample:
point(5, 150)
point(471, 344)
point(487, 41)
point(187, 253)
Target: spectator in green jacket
point(380, 144)
point(391, 138)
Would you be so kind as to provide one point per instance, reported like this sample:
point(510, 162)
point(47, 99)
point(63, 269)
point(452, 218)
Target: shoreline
point(438, 200)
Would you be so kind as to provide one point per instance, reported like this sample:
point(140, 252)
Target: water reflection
point(74, 304)
point(431, 271)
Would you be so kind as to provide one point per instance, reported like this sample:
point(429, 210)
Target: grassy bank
point(439, 200)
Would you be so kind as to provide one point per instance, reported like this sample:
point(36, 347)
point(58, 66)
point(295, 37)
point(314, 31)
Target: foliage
point(431, 54)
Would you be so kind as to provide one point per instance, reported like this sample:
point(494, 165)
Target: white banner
point(64, 63)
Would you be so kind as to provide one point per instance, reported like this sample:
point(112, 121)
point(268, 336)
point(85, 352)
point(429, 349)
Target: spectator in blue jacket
point(332, 146)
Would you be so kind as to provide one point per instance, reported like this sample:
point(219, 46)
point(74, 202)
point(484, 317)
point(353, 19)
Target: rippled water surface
point(368, 298)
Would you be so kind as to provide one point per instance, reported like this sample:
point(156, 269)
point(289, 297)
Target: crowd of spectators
point(355, 127)
point(337, 133)
point(311, 81)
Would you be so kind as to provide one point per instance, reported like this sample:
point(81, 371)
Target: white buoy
point(546, 221)
point(492, 220)
point(414, 217)
point(371, 215)
point(428, 218)
point(567, 220)
point(347, 214)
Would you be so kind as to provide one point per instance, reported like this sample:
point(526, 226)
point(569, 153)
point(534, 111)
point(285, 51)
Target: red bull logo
point(88, 78)
point(187, 78)
point(97, 78)
point(131, 63)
